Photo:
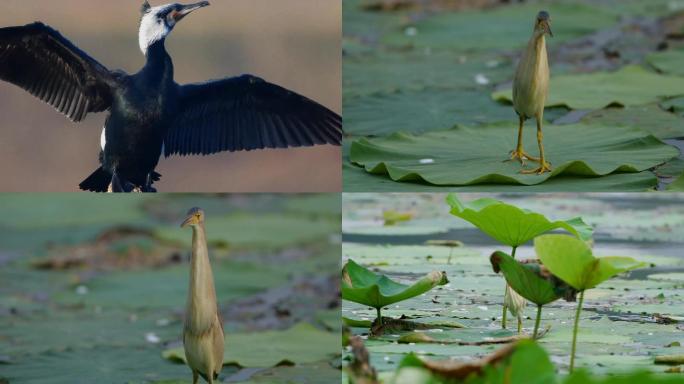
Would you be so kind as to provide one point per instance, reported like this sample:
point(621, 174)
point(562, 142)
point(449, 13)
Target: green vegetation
point(94, 288)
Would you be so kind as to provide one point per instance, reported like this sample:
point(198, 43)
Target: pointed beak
point(188, 221)
point(188, 9)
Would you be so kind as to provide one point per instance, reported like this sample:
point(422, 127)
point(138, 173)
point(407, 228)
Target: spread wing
point(247, 113)
point(40, 60)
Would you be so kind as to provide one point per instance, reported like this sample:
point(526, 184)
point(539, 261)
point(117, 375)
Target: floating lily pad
point(168, 287)
point(502, 28)
point(391, 71)
point(356, 179)
point(254, 231)
point(111, 364)
point(668, 61)
point(651, 118)
point(511, 225)
point(363, 286)
point(677, 185)
point(675, 105)
point(466, 156)
point(300, 344)
point(630, 86)
point(422, 111)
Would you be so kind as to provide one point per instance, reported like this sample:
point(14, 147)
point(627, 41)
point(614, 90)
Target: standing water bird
point(530, 88)
point(149, 113)
point(203, 329)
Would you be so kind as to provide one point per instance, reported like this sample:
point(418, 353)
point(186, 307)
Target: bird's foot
point(542, 169)
point(521, 156)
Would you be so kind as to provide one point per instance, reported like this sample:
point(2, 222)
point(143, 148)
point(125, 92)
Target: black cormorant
point(149, 113)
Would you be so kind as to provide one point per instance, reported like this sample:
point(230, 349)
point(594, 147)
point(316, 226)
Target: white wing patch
point(103, 139)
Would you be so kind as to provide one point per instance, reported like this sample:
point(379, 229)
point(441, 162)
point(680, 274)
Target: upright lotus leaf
point(525, 279)
point(511, 225)
point(363, 286)
point(572, 260)
point(530, 281)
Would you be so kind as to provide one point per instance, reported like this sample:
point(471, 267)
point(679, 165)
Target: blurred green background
point(293, 43)
point(93, 287)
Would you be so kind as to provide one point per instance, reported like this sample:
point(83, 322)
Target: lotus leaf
point(524, 279)
point(270, 231)
point(391, 71)
point(468, 156)
point(668, 61)
point(421, 111)
point(300, 344)
point(572, 260)
point(651, 118)
point(506, 27)
point(363, 286)
point(677, 185)
point(675, 105)
point(511, 225)
point(630, 86)
point(356, 179)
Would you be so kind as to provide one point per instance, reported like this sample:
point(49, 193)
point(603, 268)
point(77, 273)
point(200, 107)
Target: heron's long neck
point(201, 307)
point(536, 49)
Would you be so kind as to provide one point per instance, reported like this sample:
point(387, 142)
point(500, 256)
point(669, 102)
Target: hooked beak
point(547, 28)
point(188, 9)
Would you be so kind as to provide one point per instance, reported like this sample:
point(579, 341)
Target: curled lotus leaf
point(366, 287)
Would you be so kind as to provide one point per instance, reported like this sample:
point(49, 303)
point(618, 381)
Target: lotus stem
point(537, 321)
point(574, 331)
point(379, 310)
point(505, 308)
point(451, 251)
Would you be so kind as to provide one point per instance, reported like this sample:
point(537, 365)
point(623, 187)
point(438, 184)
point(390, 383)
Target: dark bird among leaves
point(149, 113)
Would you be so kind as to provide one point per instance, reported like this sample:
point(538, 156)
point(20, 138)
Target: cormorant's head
point(543, 23)
point(157, 22)
point(195, 217)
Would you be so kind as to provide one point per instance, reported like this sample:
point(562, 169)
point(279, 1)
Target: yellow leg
point(195, 376)
point(520, 325)
point(518, 153)
point(544, 166)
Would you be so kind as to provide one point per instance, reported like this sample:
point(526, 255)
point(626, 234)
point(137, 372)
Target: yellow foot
point(543, 168)
point(521, 156)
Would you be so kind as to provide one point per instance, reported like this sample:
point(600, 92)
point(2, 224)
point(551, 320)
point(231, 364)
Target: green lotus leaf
point(677, 185)
point(356, 179)
point(668, 61)
point(652, 118)
point(572, 261)
point(506, 28)
point(675, 105)
point(363, 286)
point(524, 279)
point(273, 348)
point(469, 156)
point(630, 86)
point(511, 225)
point(421, 111)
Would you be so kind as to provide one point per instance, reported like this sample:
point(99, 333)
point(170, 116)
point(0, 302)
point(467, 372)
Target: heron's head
point(157, 22)
point(194, 218)
point(543, 24)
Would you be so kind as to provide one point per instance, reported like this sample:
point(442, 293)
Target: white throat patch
point(152, 28)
